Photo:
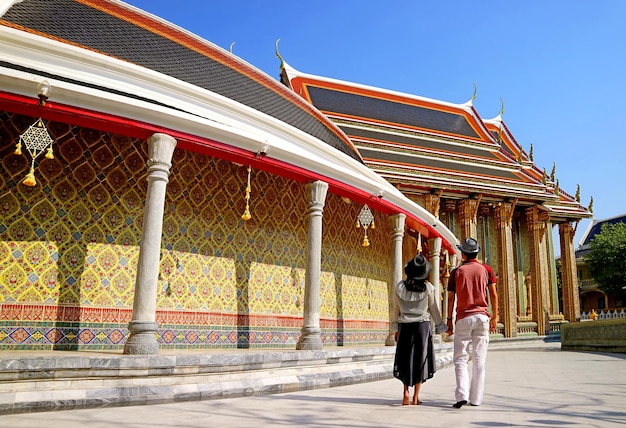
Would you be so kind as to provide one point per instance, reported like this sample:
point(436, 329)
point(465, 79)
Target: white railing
point(602, 315)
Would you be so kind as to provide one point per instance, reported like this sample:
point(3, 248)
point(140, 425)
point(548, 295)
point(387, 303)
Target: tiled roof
point(420, 144)
point(596, 227)
point(118, 32)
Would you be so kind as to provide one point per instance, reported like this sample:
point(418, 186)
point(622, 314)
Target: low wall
point(602, 336)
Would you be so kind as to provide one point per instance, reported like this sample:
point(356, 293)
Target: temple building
point(592, 298)
point(157, 191)
point(473, 175)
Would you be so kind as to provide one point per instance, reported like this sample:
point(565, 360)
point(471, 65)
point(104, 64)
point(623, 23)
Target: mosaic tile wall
point(69, 250)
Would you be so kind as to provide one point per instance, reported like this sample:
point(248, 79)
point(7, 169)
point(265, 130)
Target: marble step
point(60, 380)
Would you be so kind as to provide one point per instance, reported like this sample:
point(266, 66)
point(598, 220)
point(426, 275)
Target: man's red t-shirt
point(469, 281)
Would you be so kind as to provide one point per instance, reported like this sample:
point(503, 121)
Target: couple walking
point(469, 285)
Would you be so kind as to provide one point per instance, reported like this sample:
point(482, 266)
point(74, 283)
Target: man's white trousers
point(475, 330)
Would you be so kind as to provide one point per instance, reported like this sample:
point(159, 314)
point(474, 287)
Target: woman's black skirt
point(415, 359)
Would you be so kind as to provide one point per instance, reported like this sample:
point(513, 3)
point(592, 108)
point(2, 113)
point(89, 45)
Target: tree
point(607, 258)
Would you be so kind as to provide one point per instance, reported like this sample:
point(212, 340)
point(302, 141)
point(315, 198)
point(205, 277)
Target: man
point(470, 283)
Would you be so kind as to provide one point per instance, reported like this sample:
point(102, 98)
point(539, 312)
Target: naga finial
point(590, 207)
point(475, 91)
point(531, 156)
point(282, 61)
point(502, 109)
point(577, 193)
point(553, 173)
point(231, 47)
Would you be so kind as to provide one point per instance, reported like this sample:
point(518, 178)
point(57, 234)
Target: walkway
point(528, 384)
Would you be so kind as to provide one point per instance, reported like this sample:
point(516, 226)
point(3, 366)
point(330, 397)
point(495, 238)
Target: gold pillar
point(539, 281)
point(569, 279)
point(468, 209)
point(432, 202)
point(506, 268)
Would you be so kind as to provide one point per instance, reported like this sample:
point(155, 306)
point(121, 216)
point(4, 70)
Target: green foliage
point(607, 258)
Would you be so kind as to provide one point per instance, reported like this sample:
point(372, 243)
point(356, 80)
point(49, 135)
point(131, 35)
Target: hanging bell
point(246, 214)
point(30, 178)
point(49, 153)
point(18, 148)
point(366, 241)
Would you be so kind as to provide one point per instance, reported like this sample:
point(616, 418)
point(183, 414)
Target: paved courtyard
point(528, 385)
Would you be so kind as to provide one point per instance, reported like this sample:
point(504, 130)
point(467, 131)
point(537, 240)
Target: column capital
point(396, 224)
point(160, 149)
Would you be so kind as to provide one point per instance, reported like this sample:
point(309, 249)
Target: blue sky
point(559, 65)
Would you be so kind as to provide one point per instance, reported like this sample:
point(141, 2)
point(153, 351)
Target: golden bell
point(30, 178)
point(49, 153)
point(246, 215)
point(18, 148)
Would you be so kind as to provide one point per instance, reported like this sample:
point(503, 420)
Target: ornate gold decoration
point(577, 193)
point(246, 214)
point(590, 208)
point(553, 173)
point(556, 188)
point(447, 265)
point(365, 219)
point(35, 139)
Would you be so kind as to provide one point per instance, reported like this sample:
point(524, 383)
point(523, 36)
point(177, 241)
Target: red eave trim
point(29, 106)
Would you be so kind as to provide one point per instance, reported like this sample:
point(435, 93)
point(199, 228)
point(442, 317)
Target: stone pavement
point(532, 384)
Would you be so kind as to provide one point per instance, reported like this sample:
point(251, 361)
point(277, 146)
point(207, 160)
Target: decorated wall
point(69, 248)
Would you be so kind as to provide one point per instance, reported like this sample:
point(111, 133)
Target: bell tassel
point(49, 153)
point(18, 148)
point(30, 178)
point(246, 214)
point(366, 241)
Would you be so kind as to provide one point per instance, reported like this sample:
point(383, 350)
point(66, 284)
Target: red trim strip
point(136, 129)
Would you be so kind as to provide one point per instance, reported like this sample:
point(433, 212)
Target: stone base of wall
point(600, 336)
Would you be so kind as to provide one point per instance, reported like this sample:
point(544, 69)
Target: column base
point(310, 340)
point(390, 340)
point(142, 339)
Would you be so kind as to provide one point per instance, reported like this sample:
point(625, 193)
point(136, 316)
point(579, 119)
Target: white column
point(396, 226)
point(310, 338)
point(434, 254)
point(143, 326)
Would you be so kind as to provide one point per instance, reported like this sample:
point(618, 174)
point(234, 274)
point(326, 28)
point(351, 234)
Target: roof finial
point(502, 109)
point(530, 155)
point(577, 193)
point(553, 173)
point(231, 47)
point(590, 207)
point(475, 91)
point(282, 62)
point(556, 188)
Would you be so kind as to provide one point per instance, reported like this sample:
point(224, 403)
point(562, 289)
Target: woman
point(415, 304)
